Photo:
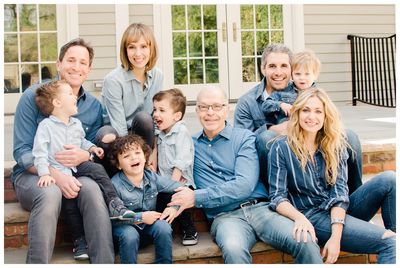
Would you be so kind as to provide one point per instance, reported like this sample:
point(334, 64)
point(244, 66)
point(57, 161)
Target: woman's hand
point(331, 250)
point(302, 226)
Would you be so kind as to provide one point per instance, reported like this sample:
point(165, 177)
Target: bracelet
point(341, 221)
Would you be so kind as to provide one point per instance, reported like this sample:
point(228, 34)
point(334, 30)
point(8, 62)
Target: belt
point(253, 202)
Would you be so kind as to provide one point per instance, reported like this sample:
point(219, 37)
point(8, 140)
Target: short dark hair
point(176, 99)
point(122, 144)
point(276, 48)
point(45, 95)
point(73, 43)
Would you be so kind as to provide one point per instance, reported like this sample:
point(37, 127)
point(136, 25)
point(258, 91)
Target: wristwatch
point(341, 221)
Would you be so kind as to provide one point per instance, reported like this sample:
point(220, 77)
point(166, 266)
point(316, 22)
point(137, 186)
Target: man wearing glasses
point(226, 173)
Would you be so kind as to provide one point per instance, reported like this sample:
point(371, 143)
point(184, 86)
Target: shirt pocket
point(150, 200)
point(133, 204)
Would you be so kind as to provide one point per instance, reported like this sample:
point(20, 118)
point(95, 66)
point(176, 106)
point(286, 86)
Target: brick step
point(205, 252)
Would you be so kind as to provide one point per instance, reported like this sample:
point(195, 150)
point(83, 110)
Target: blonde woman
point(128, 90)
point(308, 184)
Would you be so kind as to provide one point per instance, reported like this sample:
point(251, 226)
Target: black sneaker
point(80, 249)
point(119, 211)
point(189, 238)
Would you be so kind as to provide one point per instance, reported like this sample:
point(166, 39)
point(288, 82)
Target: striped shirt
point(305, 190)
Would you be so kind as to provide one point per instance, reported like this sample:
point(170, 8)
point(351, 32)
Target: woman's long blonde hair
point(330, 138)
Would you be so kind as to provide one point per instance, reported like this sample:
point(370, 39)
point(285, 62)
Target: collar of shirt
point(175, 128)
point(226, 133)
point(55, 119)
point(129, 75)
point(261, 89)
point(147, 176)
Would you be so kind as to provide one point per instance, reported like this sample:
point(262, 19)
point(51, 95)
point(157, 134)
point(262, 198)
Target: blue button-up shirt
point(305, 190)
point(226, 171)
point(27, 118)
point(123, 96)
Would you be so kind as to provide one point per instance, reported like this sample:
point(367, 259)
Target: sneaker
point(189, 238)
point(80, 249)
point(119, 211)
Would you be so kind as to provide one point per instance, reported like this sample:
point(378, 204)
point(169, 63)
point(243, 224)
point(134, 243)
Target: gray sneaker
point(80, 249)
point(118, 211)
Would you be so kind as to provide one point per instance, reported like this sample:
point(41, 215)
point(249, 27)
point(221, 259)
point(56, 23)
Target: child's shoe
point(119, 211)
point(80, 249)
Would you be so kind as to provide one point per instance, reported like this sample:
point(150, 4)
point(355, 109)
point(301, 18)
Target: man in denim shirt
point(73, 65)
point(226, 173)
point(276, 68)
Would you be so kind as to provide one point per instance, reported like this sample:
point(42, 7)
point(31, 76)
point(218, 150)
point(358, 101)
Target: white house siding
point(325, 31)
point(97, 26)
point(142, 14)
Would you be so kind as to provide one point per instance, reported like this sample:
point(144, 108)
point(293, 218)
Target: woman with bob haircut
point(308, 184)
point(128, 90)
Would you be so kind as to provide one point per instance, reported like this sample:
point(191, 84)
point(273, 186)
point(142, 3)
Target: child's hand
point(169, 214)
point(45, 181)
point(98, 151)
point(286, 108)
point(149, 217)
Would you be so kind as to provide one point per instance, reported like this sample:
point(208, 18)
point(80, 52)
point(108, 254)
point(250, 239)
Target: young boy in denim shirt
point(56, 100)
point(175, 152)
point(138, 187)
point(305, 70)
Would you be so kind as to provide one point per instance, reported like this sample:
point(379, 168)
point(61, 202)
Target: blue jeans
point(45, 205)
point(360, 236)
point(128, 238)
point(237, 231)
point(264, 141)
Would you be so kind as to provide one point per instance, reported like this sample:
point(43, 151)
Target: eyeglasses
point(215, 107)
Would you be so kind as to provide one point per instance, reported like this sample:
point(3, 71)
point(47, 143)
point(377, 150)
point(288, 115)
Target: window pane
point(27, 17)
point(29, 47)
point(262, 41)
point(277, 37)
point(11, 79)
point(212, 71)
point(276, 17)
point(48, 46)
point(247, 43)
point(47, 17)
point(10, 48)
point(29, 75)
point(196, 71)
point(210, 17)
point(179, 44)
point(180, 72)
point(210, 44)
point(261, 16)
point(246, 16)
point(10, 18)
point(195, 45)
point(48, 71)
point(248, 70)
point(194, 17)
point(178, 17)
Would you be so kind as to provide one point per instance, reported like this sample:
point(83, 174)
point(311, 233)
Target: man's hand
point(286, 107)
point(280, 128)
point(72, 156)
point(68, 185)
point(169, 214)
point(149, 217)
point(184, 197)
point(98, 151)
point(45, 181)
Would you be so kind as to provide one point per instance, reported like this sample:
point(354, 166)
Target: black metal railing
point(373, 70)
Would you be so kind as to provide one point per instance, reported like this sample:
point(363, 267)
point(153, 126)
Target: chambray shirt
point(308, 190)
point(175, 150)
point(249, 111)
point(144, 198)
point(123, 97)
point(27, 118)
point(226, 171)
point(51, 135)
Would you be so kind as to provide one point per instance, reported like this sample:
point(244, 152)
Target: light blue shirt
point(305, 190)
point(226, 171)
point(175, 150)
point(51, 136)
point(123, 97)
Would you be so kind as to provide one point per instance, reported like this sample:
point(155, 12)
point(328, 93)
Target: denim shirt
point(123, 97)
point(175, 150)
point(51, 135)
point(145, 198)
point(27, 118)
point(226, 171)
point(306, 190)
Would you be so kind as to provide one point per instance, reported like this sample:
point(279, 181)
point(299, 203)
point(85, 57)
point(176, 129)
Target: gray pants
point(45, 206)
